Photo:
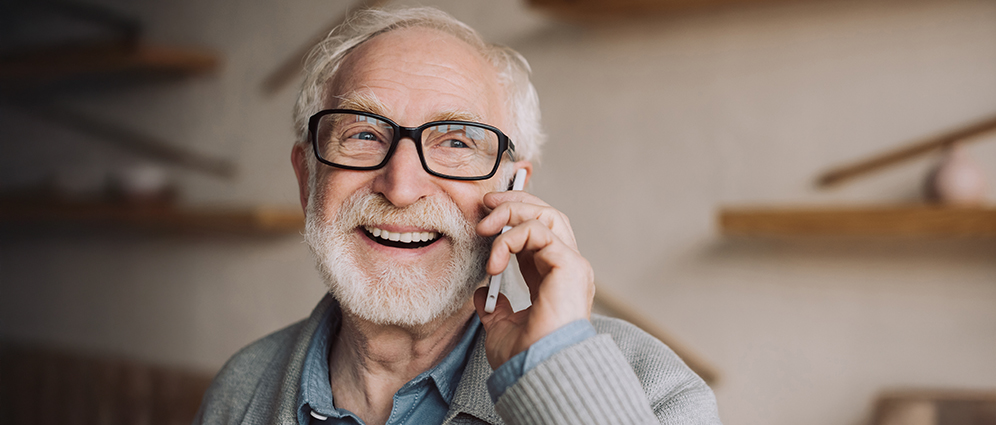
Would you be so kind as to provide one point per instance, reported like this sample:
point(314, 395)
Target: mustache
point(365, 208)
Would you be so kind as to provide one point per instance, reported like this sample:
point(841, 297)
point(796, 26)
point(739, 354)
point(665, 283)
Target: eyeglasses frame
point(413, 133)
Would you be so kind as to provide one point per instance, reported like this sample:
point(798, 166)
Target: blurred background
point(150, 213)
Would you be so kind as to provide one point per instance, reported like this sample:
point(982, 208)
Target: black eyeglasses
point(458, 150)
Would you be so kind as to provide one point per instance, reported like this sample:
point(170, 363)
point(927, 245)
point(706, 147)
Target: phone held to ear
point(489, 306)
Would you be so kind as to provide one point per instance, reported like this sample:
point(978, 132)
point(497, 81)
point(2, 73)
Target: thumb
point(503, 308)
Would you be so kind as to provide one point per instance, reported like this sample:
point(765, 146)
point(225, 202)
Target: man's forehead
point(430, 72)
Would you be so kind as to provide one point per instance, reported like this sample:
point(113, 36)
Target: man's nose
point(403, 181)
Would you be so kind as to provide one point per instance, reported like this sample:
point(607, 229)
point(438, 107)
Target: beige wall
point(653, 125)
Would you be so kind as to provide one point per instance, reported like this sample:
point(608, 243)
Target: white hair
point(522, 102)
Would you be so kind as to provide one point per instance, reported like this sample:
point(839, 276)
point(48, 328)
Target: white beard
point(395, 293)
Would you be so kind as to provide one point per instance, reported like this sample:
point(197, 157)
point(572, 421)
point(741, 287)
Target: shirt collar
point(316, 390)
point(446, 375)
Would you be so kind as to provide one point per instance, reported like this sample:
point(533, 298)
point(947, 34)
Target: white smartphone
point(495, 286)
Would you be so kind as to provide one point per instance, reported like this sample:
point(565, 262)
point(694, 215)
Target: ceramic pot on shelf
point(956, 180)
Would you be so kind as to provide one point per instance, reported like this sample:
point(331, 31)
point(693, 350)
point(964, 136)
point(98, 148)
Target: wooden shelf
point(935, 406)
point(601, 9)
point(49, 66)
point(157, 217)
point(890, 221)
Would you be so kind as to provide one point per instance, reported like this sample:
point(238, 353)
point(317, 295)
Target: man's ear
point(300, 162)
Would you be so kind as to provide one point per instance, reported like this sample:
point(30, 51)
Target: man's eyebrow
point(363, 103)
point(457, 116)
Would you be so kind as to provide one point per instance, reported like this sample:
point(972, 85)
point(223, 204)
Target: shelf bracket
point(130, 140)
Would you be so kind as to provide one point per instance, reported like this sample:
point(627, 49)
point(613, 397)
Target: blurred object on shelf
point(956, 180)
point(143, 183)
point(936, 407)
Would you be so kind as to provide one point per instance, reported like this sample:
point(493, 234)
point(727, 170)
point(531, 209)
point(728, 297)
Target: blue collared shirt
point(425, 399)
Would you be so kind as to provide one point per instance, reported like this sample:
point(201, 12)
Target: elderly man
point(411, 128)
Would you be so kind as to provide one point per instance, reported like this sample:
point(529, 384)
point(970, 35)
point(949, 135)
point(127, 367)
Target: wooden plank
point(902, 221)
point(601, 9)
point(617, 308)
point(940, 394)
point(31, 69)
point(158, 217)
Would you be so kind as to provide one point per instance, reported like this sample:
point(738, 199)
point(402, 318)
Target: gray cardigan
point(623, 376)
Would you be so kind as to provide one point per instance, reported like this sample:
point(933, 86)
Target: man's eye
point(364, 135)
point(454, 143)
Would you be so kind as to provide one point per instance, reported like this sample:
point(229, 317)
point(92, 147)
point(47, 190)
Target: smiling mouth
point(407, 240)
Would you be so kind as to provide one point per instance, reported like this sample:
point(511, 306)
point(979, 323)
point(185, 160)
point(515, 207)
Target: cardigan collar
point(472, 395)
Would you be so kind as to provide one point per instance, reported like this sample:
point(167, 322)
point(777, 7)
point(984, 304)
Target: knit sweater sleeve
point(621, 376)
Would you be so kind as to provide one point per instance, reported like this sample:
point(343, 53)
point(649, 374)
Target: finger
point(529, 236)
point(561, 266)
point(563, 283)
point(514, 213)
point(493, 199)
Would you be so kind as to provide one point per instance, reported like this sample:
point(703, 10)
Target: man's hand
point(561, 282)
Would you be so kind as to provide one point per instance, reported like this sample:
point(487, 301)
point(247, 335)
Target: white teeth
point(406, 237)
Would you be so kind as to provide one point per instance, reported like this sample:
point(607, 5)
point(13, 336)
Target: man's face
point(411, 76)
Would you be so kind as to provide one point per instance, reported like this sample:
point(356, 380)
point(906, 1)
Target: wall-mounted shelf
point(157, 217)
point(890, 221)
point(48, 66)
point(601, 9)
